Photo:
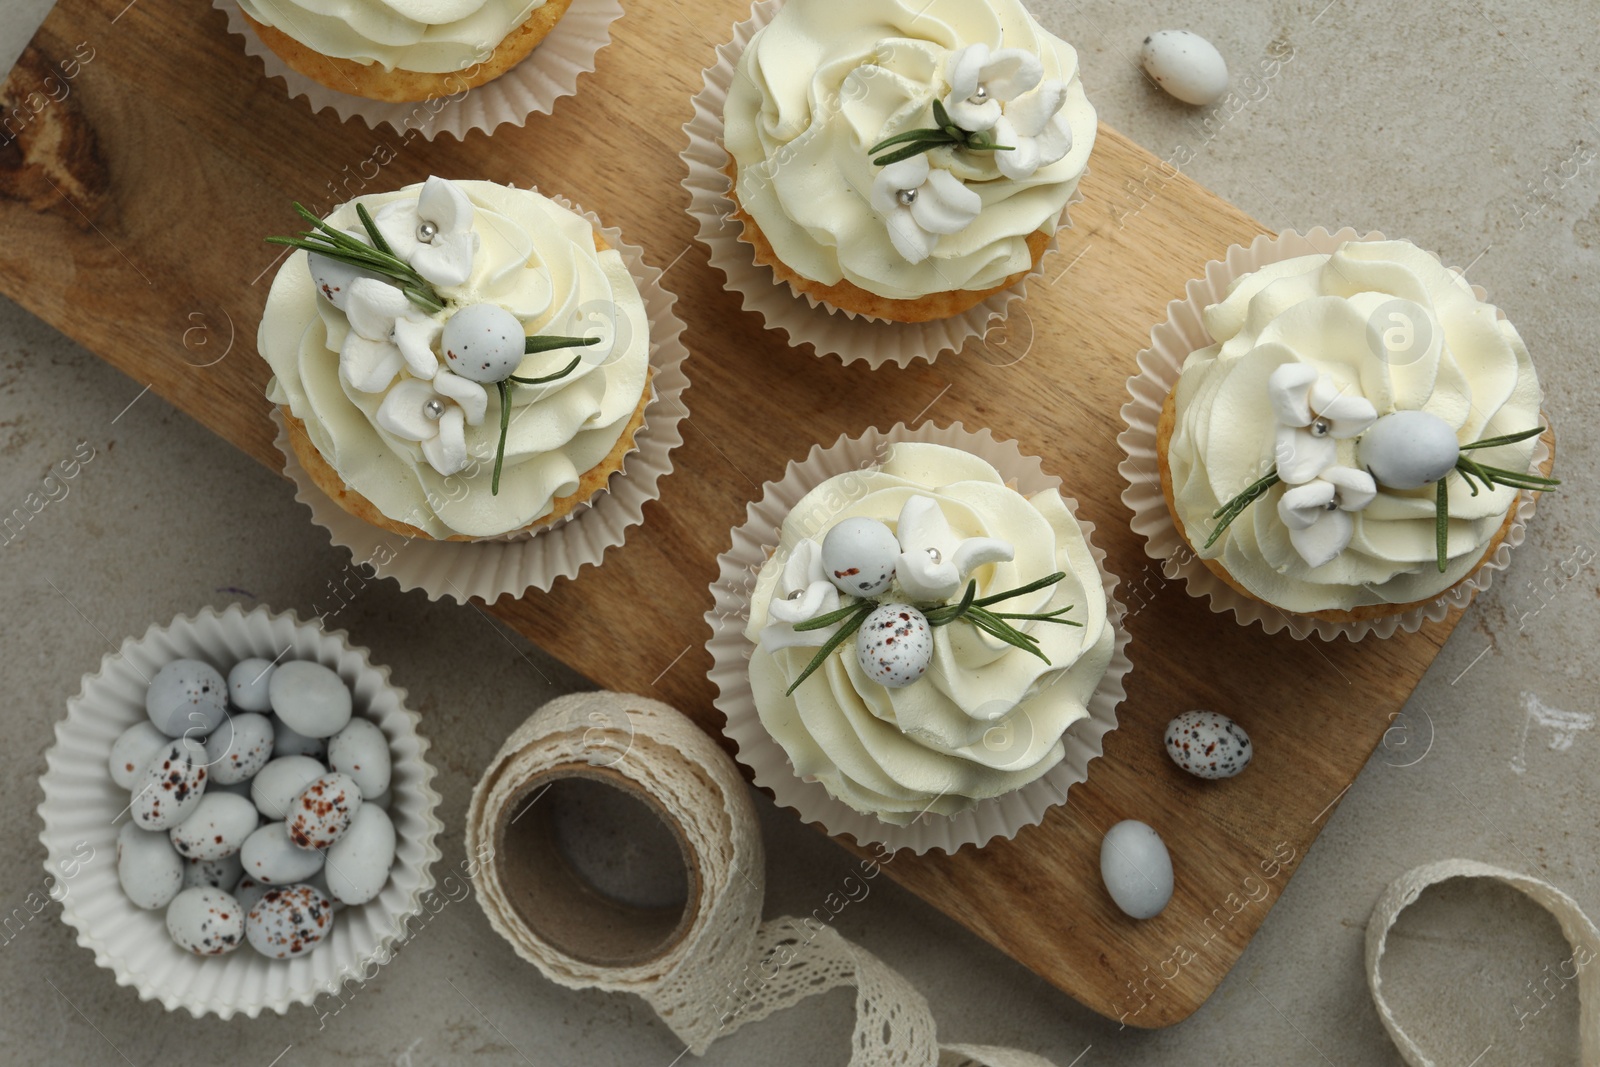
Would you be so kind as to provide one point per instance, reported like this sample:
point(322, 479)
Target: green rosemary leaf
point(1508, 439)
point(849, 628)
point(999, 628)
point(1501, 476)
point(951, 612)
point(906, 153)
point(505, 425)
point(941, 117)
point(550, 344)
point(1465, 468)
point(822, 622)
point(1021, 590)
point(1236, 507)
point(906, 138)
point(1049, 616)
point(557, 376)
point(1441, 522)
point(372, 230)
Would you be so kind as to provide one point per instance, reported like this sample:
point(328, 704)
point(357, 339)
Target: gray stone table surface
point(1467, 127)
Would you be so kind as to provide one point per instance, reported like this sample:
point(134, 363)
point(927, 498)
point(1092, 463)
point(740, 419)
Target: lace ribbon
point(721, 967)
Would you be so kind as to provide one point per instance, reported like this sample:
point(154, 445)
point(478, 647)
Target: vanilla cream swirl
point(428, 36)
point(828, 79)
point(536, 259)
point(1453, 357)
point(987, 717)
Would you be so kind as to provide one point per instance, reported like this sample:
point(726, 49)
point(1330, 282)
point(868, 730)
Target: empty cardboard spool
point(561, 907)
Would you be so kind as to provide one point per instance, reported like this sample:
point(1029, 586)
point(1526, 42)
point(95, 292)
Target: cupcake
point(904, 160)
point(1353, 443)
point(459, 361)
point(401, 50)
point(924, 635)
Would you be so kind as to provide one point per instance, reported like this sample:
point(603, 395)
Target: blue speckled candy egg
point(289, 922)
point(859, 555)
point(206, 921)
point(484, 343)
point(1208, 744)
point(895, 645)
point(187, 698)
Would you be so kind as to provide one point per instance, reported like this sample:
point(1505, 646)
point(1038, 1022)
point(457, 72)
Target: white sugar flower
point(804, 592)
point(1035, 130)
point(1313, 414)
point(981, 81)
point(387, 332)
point(432, 233)
point(934, 563)
point(919, 203)
point(435, 414)
point(1318, 512)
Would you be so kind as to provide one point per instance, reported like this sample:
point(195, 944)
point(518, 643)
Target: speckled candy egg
point(247, 684)
point(309, 698)
point(280, 781)
point(218, 827)
point(361, 751)
point(290, 742)
point(131, 752)
point(186, 698)
point(895, 645)
point(271, 858)
point(171, 785)
point(238, 748)
point(149, 870)
point(1136, 868)
point(1186, 65)
point(321, 814)
point(1409, 449)
point(207, 922)
point(1208, 744)
point(358, 865)
point(859, 555)
point(484, 343)
point(223, 874)
point(288, 922)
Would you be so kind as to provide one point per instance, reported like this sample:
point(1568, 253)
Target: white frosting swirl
point(427, 36)
point(987, 717)
point(537, 260)
point(828, 79)
point(1453, 358)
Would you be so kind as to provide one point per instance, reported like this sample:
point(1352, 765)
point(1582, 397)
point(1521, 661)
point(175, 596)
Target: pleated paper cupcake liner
point(83, 809)
point(531, 87)
point(1001, 816)
point(1171, 342)
point(802, 317)
point(490, 569)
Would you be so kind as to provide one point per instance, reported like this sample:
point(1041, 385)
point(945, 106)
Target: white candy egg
point(287, 922)
point(484, 343)
point(248, 891)
point(171, 785)
point(247, 684)
point(238, 748)
point(361, 751)
point(205, 921)
point(1186, 65)
point(131, 752)
point(333, 278)
point(274, 789)
point(271, 858)
point(1136, 869)
point(287, 742)
point(218, 827)
point(1409, 449)
point(186, 698)
point(1208, 744)
point(309, 698)
point(321, 814)
point(221, 874)
point(358, 865)
point(859, 555)
point(149, 869)
point(895, 645)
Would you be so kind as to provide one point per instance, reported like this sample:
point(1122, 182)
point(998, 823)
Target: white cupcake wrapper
point(83, 807)
point(531, 87)
point(730, 650)
point(805, 319)
point(1159, 366)
point(490, 569)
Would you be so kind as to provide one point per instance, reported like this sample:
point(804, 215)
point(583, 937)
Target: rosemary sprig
point(973, 610)
point(1235, 507)
point(504, 386)
point(1474, 473)
point(944, 133)
point(376, 258)
point(852, 617)
point(1441, 520)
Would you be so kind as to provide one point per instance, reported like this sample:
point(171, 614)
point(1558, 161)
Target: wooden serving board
point(133, 214)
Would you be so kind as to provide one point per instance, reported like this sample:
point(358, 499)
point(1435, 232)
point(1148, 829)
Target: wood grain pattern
point(189, 130)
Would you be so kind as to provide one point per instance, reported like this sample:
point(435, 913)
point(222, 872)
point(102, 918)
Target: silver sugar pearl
point(434, 409)
point(907, 197)
point(1321, 428)
point(426, 232)
point(1332, 505)
point(933, 554)
point(796, 595)
point(980, 96)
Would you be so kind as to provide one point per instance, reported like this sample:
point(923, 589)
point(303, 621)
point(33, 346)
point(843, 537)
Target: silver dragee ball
point(859, 555)
point(187, 698)
point(1409, 449)
point(309, 698)
point(484, 343)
